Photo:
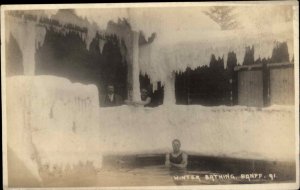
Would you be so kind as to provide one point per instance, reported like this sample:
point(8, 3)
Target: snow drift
point(239, 132)
point(52, 122)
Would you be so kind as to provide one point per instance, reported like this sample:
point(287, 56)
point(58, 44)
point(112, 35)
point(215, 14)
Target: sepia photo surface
point(151, 95)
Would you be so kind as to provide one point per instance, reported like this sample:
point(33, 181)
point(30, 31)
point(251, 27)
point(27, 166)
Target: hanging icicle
point(158, 60)
point(40, 36)
point(101, 45)
point(136, 95)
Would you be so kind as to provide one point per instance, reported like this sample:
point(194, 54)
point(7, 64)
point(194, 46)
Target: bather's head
point(144, 94)
point(176, 145)
point(110, 89)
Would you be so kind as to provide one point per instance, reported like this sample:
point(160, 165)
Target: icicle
point(40, 35)
point(101, 45)
point(136, 95)
point(169, 90)
point(89, 37)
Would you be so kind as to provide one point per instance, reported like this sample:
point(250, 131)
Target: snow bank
point(52, 121)
point(240, 132)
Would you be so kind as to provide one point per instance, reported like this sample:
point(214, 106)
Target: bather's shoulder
point(184, 154)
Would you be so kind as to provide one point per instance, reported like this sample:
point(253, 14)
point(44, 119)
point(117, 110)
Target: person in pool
point(176, 160)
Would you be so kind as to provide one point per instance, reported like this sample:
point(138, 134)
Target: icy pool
point(148, 170)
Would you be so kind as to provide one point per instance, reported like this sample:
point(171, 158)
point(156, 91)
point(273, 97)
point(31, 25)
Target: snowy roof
point(255, 66)
point(158, 58)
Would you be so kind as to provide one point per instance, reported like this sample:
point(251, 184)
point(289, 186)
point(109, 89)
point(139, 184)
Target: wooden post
point(169, 90)
point(266, 84)
point(136, 69)
point(133, 70)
